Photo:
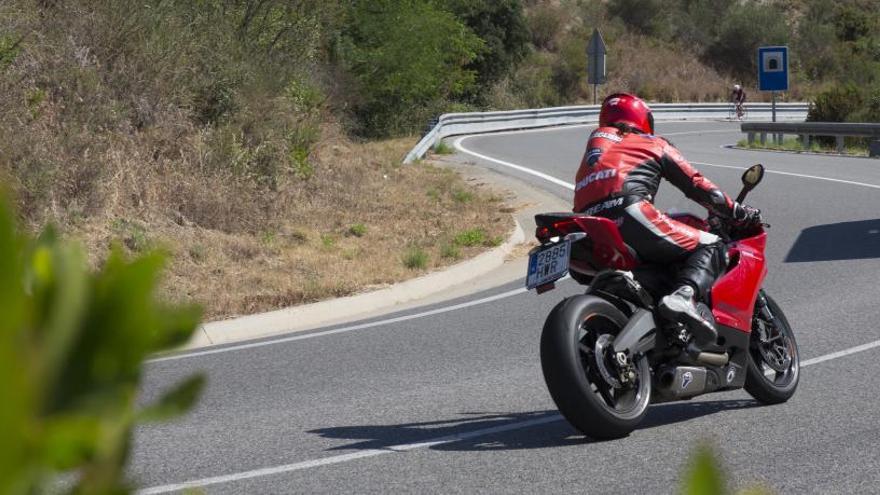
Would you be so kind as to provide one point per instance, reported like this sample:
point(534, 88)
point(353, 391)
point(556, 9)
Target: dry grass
point(309, 250)
point(660, 72)
point(104, 134)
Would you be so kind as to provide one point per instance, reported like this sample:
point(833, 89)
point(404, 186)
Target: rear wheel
point(581, 372)
point(773, 368)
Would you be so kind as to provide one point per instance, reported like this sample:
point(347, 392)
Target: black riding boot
point(694, 283)
point(680, 307)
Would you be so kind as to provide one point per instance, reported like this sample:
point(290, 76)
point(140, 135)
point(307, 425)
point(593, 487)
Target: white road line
point(338, 459)
point(792, 174)
point(570, 186)
point(839, 354)
point(361, 326)
point(349, 457)
point(514, 166)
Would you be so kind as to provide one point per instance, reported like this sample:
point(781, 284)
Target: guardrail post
point(751, 138)
point(763, 138)
point(874, 148)
point(840, 144)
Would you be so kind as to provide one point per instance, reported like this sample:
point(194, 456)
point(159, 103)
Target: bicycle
point(737, 111)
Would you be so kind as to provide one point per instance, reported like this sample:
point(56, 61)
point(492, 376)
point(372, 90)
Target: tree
point(502, 27)
point(646, 16)
point(746, 27)
point(407, 56)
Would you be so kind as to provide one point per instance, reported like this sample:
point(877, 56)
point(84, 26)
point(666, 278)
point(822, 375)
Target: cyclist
point(618, 179)
point(738, 97)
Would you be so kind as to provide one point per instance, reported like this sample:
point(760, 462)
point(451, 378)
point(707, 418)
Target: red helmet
point(623, 108)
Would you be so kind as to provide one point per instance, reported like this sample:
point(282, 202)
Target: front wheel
point(581, 372)
point(773, 368)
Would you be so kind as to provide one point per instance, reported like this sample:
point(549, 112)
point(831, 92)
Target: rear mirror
point(752, 177)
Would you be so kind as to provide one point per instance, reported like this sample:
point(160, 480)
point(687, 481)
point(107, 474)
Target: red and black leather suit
point(618, 179)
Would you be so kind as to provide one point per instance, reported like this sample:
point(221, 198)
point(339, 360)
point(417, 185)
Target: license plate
point(548, 264)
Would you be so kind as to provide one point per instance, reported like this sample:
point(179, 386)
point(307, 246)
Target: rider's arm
point(692, 183)
point(600, 140)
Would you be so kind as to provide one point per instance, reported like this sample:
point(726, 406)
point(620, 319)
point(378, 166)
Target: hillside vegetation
point(242, 135)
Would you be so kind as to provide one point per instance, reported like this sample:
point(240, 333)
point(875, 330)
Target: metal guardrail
point(454, 124)
point(807, 130)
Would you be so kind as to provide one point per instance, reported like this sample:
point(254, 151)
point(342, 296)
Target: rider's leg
point(694, 283)
point(659, 239)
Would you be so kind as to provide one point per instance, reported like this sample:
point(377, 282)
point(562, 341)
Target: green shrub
point(462, 196)
point(443, 149)
point(545, 25)
point(450, 251)
point(72, 347)
point(415, 258)
point(306, 97)
point(646, 16)
point(132, 234)
point(469, 238)
point(328, 241)
point(9, 50)
point(358, 230)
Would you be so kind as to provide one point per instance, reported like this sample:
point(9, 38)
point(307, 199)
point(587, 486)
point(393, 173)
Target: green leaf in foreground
point(72, 348)
point(703, 477)
point(176, 401)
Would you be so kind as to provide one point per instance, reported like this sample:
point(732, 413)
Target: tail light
point(544, 233)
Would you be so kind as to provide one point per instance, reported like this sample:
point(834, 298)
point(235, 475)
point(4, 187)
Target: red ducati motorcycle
point(607, 354)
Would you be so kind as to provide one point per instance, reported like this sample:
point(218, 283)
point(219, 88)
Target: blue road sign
point(773, 68)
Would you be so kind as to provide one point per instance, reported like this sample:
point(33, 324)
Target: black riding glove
point(746, 215)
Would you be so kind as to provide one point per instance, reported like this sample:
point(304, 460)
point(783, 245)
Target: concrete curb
point(310, 316)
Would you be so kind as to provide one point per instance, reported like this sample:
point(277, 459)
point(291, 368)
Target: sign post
point(773, 71)
point(596, 62)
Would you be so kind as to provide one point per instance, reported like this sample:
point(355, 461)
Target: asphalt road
point(454, 401)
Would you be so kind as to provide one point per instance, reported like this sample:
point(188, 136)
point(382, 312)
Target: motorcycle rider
point(618, 179)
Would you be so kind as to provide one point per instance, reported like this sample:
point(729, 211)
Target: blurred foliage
point(72, 348)
point(704, 476)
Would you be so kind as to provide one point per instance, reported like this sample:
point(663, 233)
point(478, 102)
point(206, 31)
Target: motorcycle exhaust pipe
point(713, 359)
point(681, 382)
point(710, 358)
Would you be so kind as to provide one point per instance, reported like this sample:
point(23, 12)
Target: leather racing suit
point(618, 179)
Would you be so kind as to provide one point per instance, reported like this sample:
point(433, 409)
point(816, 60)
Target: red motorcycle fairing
point(607, 246)
point(735, 292)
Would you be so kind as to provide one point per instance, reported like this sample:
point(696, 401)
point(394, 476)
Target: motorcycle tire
point(572, 375)
point(781, 387)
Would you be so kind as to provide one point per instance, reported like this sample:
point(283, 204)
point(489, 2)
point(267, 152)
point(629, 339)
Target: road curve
point(450, 398)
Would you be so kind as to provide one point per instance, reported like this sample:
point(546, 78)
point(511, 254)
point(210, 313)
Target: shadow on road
point(551, 434)
point(837, 241)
